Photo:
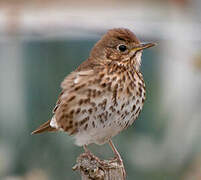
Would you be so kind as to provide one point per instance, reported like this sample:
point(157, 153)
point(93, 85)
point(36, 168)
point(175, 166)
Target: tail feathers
point(44, 128)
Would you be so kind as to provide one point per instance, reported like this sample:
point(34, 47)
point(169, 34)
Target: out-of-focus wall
point(43, 41)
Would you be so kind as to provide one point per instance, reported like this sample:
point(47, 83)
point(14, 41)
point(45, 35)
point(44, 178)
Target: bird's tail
point(44, 128)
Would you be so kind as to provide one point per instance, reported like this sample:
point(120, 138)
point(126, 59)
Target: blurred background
point(41, 41)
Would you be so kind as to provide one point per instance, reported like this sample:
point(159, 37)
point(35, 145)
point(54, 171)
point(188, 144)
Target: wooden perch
point(92, 168)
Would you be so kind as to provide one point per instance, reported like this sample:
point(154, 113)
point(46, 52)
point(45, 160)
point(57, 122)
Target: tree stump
point(92, 168)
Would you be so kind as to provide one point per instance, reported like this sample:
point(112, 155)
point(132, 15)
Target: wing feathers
point(44, 128)
point(69, 83)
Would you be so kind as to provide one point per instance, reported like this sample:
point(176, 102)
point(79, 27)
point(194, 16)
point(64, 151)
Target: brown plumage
point(105, 94)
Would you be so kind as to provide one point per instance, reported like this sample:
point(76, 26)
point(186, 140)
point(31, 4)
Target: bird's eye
point(122, 48)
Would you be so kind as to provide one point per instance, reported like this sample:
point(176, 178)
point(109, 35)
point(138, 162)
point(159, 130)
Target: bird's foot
point(91, 156)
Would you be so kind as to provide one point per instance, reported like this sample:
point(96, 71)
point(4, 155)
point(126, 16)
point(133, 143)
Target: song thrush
point(105, 94)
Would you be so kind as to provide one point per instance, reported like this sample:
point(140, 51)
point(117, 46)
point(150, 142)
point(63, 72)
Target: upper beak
point(143, 46)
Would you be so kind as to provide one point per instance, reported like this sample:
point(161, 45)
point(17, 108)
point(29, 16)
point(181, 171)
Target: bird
point(104, 95)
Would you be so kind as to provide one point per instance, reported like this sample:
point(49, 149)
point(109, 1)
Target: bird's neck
point(135, 61)
point(130, 64)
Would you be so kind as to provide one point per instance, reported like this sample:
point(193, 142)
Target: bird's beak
point(143, 46)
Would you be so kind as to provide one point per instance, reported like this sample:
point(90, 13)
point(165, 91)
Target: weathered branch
point(92, 168)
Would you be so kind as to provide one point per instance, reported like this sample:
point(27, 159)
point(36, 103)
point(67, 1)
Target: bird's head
point(119, 45)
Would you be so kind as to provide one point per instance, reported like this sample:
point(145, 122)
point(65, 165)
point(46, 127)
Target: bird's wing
point(74, 91)
point(70, 86)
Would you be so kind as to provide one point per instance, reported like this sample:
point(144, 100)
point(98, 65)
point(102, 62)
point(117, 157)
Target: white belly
point(111, 122)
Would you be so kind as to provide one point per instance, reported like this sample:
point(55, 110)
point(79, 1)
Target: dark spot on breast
point(93, 124)
point(101, 75)
point(90, 110)
point(131, 84)
point(89, 93)
point(80, 102)
point(78, 111)
point(101, 116)
point(127, 103)
point(112, 108)
point(103, 85)
point(101, 120)
point(134, 106)
point(140, 84)
point(137, 110)
point(76, 124)
point(109, 86)
point(126, 125)
point(71, 112)
point(126, 113)
point(84, 120)
point(106, 115)
point(104, 103)
point(107, 79)
point(128, 91)
point(93, 104)
point(94, 93)
point(114, 78)
point(133, 115)
point(87, 100)
point(86, 126)
point(114, 96)
point(122, 107)
point(84, 111)
point(98, 93)
point(66, 116)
